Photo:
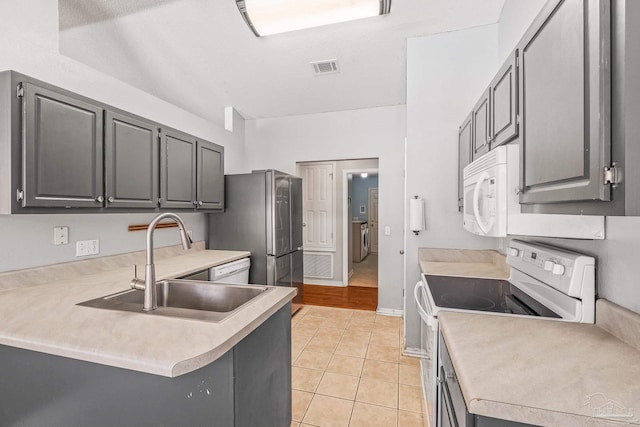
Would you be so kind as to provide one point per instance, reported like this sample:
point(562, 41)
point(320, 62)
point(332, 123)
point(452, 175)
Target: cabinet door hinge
point(517, 119)
point(19, 195)
point(612, 175)
point(19, 91)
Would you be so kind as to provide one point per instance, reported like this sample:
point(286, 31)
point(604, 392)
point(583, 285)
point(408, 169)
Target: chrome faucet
point(148, 285)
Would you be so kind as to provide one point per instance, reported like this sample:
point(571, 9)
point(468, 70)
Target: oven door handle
point(422, 311)
point(476, 203)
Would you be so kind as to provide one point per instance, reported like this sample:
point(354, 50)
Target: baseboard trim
point(389, 312)
point(413, 352)
point(320, 282)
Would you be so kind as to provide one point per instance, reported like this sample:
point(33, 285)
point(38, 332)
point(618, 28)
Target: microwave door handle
point(476, 202)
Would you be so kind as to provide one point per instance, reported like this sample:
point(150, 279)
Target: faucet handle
point(135, 282)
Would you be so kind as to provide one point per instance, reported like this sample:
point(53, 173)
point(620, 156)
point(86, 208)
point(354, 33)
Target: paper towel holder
point(416, 215)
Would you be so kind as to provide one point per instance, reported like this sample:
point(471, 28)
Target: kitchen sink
point(191, 299)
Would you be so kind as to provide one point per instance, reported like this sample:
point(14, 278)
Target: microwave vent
point(326, 67)
point(494, 157)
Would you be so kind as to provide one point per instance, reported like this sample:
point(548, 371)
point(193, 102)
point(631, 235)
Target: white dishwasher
point(236, 272)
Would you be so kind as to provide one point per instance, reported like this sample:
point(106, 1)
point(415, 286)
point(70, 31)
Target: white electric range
point(545, 281)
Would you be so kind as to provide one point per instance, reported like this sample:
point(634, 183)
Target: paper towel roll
point(416, 215)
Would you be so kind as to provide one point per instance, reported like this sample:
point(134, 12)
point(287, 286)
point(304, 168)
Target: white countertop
point(542, 372)
point(46, 318)
point(463, 263)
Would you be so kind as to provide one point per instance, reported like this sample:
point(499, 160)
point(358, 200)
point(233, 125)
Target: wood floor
point(354, 297)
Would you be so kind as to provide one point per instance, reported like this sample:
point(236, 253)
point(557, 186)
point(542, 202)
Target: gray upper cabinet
point(177, 169)
point(191, 172)
point(65, 150)
point(210, 176)
point(131, 162)
point(464, 154)
point(565, 103)
point(62, 150)
point(481, 126)
point(503, 93)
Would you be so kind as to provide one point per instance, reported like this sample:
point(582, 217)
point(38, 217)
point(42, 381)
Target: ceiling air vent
point(326, 67)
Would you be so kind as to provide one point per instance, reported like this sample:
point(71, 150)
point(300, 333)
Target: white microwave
point(492, 207)
point(485, 198)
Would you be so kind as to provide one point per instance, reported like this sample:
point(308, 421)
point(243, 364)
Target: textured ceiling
point(200, 55)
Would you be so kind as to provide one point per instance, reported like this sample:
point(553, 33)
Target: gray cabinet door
point(465, 137)
point(565, 103)
point(481, 128)
point(62, 146)
point(131, 162)
point(504, 103)
point(210, 182)
point(177, 169)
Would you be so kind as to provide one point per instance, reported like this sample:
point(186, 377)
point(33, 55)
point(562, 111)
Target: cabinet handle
point(195, 203)
point(100, 199)
point(111, 199)
point(200, 203)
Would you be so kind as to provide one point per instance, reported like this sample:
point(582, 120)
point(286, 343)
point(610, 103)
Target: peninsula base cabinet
point(249, 386)
point(64, 152)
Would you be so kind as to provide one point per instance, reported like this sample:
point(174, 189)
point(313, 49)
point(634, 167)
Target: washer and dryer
point(360, 236)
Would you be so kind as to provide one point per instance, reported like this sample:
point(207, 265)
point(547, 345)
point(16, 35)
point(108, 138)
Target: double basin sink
point(191, 299)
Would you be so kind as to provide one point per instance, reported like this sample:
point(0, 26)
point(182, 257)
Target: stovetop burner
point(490, 295)
point(468, 302)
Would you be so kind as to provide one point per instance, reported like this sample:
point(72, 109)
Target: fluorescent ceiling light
point(266, 17)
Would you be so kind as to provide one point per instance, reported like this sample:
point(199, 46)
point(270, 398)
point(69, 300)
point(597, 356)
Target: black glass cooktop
point(493, 295)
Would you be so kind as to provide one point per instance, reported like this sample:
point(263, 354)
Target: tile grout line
point(369, 342)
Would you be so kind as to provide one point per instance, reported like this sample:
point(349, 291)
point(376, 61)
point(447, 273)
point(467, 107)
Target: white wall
point(356, 134)
point(515, 18)
point(446, 74)
point(29, 46)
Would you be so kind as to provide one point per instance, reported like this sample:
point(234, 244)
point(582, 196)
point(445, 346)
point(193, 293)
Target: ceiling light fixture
point(266, 17)
point(364, 174)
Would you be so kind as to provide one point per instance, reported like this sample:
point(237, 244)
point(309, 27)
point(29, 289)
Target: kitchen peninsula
point(73, 365)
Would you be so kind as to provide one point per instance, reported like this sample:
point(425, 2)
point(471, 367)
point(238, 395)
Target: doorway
point(329, 212)
point(362, 217)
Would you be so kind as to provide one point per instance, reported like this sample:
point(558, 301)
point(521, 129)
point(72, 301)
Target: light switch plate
point(60, 235)
point(87, 247)
point(387, 230)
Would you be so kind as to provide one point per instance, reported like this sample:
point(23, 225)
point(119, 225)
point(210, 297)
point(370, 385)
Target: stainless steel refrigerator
point(263, 214)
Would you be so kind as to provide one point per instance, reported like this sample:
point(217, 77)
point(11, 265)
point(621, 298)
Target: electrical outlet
point(60, 235)
point(87, 247)
point(387, 230)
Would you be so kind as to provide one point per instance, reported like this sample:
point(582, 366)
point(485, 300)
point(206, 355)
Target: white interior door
point(318, 206)
point(373, 220)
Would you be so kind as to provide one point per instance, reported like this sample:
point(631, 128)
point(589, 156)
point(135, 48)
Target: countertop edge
point(195, 363)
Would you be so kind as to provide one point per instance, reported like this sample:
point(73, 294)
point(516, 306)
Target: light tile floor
point(348, 370)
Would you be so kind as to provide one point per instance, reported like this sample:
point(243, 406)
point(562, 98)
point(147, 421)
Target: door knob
point(100, 199)
point(401, 252)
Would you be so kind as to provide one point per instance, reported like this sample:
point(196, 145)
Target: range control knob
point(513, 251)
point(548, 265)
point(558, 269)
